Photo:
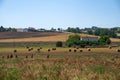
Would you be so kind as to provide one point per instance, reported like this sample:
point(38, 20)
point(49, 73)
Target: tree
point(103, 40)
point(105, 32)
point(2, 29)
point(74, 30)
point(73, 40)
point(90, 32)
point(59, 44)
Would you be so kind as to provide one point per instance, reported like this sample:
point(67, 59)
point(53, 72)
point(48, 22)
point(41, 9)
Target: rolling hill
point(39, 37)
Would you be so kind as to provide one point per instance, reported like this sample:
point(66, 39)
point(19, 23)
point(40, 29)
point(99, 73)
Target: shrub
point(73, 40)
point(59, 44)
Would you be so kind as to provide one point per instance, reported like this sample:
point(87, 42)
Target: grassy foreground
point(73, 66)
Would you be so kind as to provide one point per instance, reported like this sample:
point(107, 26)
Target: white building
point(89, 39)
point(22, 30)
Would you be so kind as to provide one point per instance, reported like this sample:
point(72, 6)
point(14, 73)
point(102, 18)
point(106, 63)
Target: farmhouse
point(89, 38)
point(22, 30)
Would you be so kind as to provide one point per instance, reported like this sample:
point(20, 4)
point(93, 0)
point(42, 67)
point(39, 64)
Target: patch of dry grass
point(81, 67)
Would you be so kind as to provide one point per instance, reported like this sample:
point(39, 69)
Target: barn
point(86, 38)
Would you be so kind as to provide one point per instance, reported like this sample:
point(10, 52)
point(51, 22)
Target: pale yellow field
point(60, 37)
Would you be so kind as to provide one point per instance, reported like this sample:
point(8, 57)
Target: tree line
point(2, 29)
point(110, 32)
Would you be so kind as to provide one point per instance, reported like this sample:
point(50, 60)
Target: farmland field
point(97, 64)
point(39, 37)
point(21, 60)
point(61, 66)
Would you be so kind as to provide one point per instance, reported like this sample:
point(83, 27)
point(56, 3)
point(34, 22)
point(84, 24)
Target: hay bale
point(48, 50)
point(110, 47)
point(48, 56)
point(15, 51)
point(40, 47)
point(7, 56)
point(16, 56)
point(53, 49)
point(38, 50)
point(88, 49)
point(75, 50)
point(81, 50)
point(26, 57)
point(3, 57)
point(31, 49)
point(11, 56)
point(27, 47)
point(118, 50)
point(70, 50)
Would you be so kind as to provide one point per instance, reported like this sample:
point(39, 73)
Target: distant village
point(32, 29)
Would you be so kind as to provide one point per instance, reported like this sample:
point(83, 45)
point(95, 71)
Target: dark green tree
point(73, 40)
point(103, 40)
point(90, 32)
point(59, 44)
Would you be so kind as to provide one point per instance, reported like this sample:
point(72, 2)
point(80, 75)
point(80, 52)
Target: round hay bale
point(38, 50)
point(40, 47)
point(48, 56)
point(75, 50)
point(7, 56)
point(27, 47)
point(118, 50)
point(16, 56)
point(3, 57)
point(70, 50)
point(29, 50)
point(15, 51)
point(48, 50)
point(53, 49)
point(11, 56)
point(88, 49)
point(26, 57)
point(81, 50)
point(110, 47)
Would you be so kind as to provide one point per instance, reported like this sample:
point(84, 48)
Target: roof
point(89, 37)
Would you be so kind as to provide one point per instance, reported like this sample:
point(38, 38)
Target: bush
point(73, 40)
point(104, 40)
point(59, 44)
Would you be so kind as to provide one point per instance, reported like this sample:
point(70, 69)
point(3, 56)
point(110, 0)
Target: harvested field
point(90, 66)
point(46, 37)
point(15, 35)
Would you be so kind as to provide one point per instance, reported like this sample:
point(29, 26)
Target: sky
point(59, 13)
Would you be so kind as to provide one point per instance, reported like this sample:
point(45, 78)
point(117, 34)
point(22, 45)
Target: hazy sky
point(59, 13)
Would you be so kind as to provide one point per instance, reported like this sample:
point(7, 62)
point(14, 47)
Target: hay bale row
point(70, 50)
point(10, 56)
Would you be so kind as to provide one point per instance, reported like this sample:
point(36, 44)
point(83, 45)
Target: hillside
point(15, 35)
point(39, 37)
